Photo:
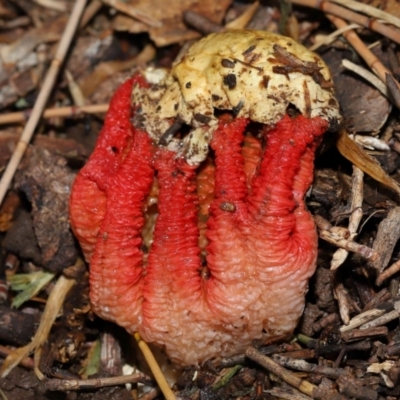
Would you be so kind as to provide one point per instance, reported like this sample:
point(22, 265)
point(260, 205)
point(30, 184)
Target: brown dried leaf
point(23, 47)
point(46, 182)
point(350, 150)
point(242, 21)
point(365, 109)
point(66, 147)
point(106, 69)
point(173, 29)
point(7, 211)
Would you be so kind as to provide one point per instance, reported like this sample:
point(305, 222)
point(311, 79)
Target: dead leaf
point(242, 21)
point(350, 150)
point(106, 69)
point(173, 29)
point(364, 107)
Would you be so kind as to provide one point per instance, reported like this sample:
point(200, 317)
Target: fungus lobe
point(203, 252)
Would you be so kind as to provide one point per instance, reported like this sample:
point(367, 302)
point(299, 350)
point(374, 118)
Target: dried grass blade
point(155, 369)
point(53, 306)
point(69, 111)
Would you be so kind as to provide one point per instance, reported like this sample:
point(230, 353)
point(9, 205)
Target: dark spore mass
point(230, 81)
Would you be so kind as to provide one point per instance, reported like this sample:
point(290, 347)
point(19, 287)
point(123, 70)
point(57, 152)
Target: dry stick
point(302, 365)
point(43, 96)
point(370, 10)
point(75, 90)
point(342, 298)
point(387, 273)
point(362, 319)
point(341, 237)
point(338, 240)
point(155, 369)
point(26, 362)
point(60, 6)
point(340, 255)
point(78, 384)
point(361, 334)
point(291, 379)
point(69, 111)
point(385, 30)
point(382, 320)
point(362, 50)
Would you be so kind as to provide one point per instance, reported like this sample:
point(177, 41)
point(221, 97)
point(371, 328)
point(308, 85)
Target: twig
point(26, 362)
point(78, 384)
point(369, 10)
point(43, 96)
point(385, 240)
point(370, 58)
point(332, 236)
point(301, 365)
point(286, 392)
point(70, 111)
point(60, 6)
point(341, 237)
point(324, 322)
point(75, 90)
point(304, 386)
point(327, 7)
point(359, 334)
point(387, 273)
point(362, 318)
point(155, 369)
point(382, 320)
point(355, 217)
point(342, 297)
point(380, 297)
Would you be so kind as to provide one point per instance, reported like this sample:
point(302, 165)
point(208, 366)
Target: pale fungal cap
point(255, 74)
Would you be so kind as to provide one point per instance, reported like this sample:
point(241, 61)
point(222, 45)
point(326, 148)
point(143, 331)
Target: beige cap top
point(256, 74)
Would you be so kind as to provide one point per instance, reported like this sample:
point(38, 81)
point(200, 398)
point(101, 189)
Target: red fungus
point(233, 244)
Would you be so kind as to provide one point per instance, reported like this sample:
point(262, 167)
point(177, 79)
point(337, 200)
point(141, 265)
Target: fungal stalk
point(191, 209)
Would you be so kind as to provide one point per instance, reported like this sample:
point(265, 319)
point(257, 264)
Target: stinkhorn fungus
point(204, 251)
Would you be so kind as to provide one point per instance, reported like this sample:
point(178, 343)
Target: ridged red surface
point(246, 208)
